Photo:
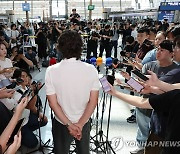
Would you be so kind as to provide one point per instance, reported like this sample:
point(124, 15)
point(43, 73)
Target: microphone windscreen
point(108, 61)
point(99, 61)
point(52, 61)
point(93, 60)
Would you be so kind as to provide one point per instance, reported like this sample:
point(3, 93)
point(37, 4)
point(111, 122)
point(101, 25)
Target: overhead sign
point(26, 6)
point(166, 15)
point(169, 6)
point(91, 7)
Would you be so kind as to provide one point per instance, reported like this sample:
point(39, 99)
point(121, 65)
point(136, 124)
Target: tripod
point(103, 145)
point(46, 144)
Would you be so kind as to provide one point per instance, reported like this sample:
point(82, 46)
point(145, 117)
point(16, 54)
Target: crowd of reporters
point(140, 45)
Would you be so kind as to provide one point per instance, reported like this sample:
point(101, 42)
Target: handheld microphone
point(52, 61)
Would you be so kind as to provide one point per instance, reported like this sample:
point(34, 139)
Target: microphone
point(93, 61)
point(52, 61)
point(99, 61)
point(108, 61)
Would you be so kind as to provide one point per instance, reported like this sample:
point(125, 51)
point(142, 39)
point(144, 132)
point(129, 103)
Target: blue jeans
point(143, 121)
point(62, 139)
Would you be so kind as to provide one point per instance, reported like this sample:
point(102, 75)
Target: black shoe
point(131, 119)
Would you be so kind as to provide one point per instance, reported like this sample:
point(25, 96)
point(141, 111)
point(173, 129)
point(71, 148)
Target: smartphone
point(16, 130)
point(105, 84)
point(135, 85)
point(26, 93)
point(140, 75)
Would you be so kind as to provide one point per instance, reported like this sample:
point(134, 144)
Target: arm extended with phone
point(139, 75)
point(105, 84)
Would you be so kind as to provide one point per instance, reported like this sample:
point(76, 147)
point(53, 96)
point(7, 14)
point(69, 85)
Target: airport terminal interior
point(120, 42)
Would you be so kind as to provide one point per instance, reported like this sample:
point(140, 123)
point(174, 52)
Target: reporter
point(20, 60)
point(5, 63)
point(15, 145)
point(166, 102)
point(7, 130)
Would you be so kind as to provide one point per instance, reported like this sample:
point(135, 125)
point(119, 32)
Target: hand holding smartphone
point(16, 130)
point(135, 84)
point(140, 75)
point(105, 84)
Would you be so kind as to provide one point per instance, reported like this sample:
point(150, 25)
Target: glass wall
point(41, 7)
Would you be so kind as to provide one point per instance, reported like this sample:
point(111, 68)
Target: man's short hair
point(143, 30)
point(130, 39)
point(70, 44)
point(176, 30)
point(167, 44)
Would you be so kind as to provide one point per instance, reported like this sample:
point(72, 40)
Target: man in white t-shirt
point(72, 89)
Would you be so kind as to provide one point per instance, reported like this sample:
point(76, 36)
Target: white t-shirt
point(5, 64)
point(72, 81)
point(13, 33)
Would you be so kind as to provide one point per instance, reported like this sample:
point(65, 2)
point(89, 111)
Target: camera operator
point(106, 35)
point(41, 41)
point(115, 38)
point(74, 17)
point(92, 43)
point(19, 59)
point(53, 34)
